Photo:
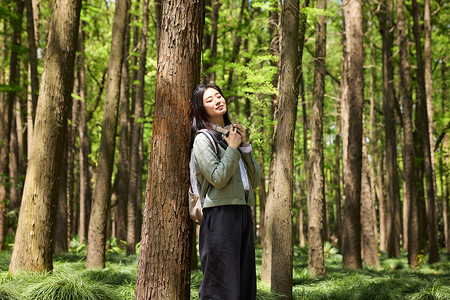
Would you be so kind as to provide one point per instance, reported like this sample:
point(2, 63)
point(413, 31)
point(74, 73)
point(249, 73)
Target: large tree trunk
point(5, 134)
point(369, 236)
point(352, 107)
point(277, 253)
point(422, 117)
point(392, 181)
point(164, 263)
point(136, 141)
point(316, 202)
point(102, 190)
point(412, 223)
point(33, 245)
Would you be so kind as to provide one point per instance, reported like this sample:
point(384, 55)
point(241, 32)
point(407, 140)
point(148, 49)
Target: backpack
point(195, 203)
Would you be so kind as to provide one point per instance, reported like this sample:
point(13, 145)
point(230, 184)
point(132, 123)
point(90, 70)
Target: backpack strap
point(210, 138)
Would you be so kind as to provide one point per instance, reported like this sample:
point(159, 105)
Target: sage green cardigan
point(223, 172)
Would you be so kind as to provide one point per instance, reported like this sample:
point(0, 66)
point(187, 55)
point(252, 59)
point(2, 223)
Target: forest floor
point(70, 279)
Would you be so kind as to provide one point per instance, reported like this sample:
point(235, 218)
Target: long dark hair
point(199, 117)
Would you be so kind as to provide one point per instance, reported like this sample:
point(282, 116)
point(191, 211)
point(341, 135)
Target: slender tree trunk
point(211, 77)
point(136, 138)
point(2, 70)
point(392, 181)
point(234, 55)
point(412, 221)
point(32, 50)
point(85, 177)
point(33, 245)
point(315, 210)
point(102, 190)
point(164, 264)
point(368, 215)
point(262, 197)
point(424, 136)
point(277, 262)
point(337, 180)
point(124, 145)
point(5, 134)
point(14, 190)
point(352, 107)
point(446, 184)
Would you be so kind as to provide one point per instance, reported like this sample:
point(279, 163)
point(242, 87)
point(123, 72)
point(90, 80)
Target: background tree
point(33, 247)
point(277, 268)
point(102, 190)
point(352, 107)
point(164, 263)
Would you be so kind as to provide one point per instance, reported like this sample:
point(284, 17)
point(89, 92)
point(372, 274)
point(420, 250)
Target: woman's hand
point(241, 131)
point(234, 139)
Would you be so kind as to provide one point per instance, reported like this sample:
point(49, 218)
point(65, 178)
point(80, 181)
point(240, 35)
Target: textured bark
point(32, 50)
point(392, 181)
point(262, 197)
point(136, 141)
point(424, 137)
point(446, 185)
point(5, 134)
point(277, 262)
point(14, 190)
point(369, 236)
point(33, 245)
point(316, 202)
point(379, 187)
point(102, 190)
point(337, 181)
point(412, 221)
point(352, 97)
point(165, 253)
point(124, 146)
point(85, 176)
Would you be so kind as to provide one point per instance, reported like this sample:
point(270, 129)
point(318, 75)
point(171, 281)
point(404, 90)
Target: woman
point(227, 179)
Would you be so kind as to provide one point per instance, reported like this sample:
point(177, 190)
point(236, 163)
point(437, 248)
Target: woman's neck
point(219, 121)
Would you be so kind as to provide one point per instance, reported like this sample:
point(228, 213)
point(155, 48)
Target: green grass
point(70, 279)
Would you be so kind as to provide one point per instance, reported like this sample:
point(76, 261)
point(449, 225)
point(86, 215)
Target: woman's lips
point(219, 107)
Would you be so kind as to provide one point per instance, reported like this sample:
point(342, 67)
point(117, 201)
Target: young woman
point(227, 179)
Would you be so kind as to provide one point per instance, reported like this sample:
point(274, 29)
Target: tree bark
point(422, 116)
point(102, 190)
point(412, 223)
point(368, 215)
point(392, 181)
point(277, 262)
point(32, 50)
point(164, 263)
point(352, 97)
point(123, 171)
point(316, 202)
point(33, 245)
point(5, 134)
point(85, 176)
point(158, 19)
point(14, 190)
point(61, 243)
point(211, 78)
point(262, 197)
point(446, 185)
point(136, 140)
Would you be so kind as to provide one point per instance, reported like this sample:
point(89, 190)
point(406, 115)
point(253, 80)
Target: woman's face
point(215, 105)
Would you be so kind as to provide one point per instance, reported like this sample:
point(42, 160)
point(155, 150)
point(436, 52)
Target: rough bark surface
point(352, 107)
point(102, 189)
point(33, 247)
point(165, 253)
point(277, 262)
point(315, 210)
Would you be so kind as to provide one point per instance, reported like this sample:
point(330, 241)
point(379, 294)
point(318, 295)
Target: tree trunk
point(2, 70)
point(424, 137)
point(412, 223)
point(368, 215)
point(102, 190)
point(392, 181)
point(316, 202)
point(85, 177)
point(446, 185)
point(158, 19)
point(262, 197)
point(234, 55)
point(123, 172)
point(164, 263)
point(5, 134)
point(33, 245)
point(14, 189)
point(277, 252)
point(211, 77)
point(337, 180)
point(352, 97)
point(136, 140)
point(32, 50)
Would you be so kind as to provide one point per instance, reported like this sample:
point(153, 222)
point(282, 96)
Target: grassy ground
point(70, 279)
